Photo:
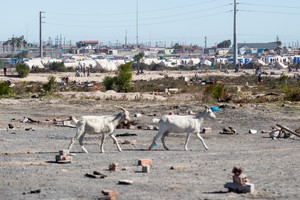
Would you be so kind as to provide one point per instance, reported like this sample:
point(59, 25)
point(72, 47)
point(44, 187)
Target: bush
point(217, 91)
point(292, 92)
point(22, 70)
point(5, 89)
point(57, 66)
point(110, 83)
point(51, 85)
point(122, 82)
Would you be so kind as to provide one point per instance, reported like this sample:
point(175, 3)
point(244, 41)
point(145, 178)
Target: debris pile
point(240, 182)
point(280, 131)
point(63, 157)
point(229, 131)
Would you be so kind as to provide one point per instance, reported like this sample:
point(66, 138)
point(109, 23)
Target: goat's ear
point(122, 108)
point(206, 107)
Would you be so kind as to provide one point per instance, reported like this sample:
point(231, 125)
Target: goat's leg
point(201, 139)
point(116, 141)
point(71, 143)
point(79, 132)
point(165, 134)
point(155, 138)
point(102, 142)
point(81, 143)
point(188, 135)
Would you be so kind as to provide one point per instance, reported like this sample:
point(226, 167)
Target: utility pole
point(234, 35)
point(137, 24)
point(41, 42)
point(125, 38)
point(205, 42)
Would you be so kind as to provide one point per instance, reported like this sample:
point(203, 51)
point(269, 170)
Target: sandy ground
point(29, 170)
point(148, 75)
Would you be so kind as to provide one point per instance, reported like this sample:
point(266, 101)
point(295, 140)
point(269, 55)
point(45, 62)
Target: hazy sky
point(165, 21)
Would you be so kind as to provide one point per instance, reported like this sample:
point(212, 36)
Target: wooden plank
point(288, 130)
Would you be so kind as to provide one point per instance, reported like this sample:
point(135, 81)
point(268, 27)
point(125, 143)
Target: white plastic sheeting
point(35, 62)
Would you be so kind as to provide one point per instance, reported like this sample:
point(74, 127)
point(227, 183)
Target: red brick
point(144, 162)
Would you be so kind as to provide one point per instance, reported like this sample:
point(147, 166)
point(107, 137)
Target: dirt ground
point(29, 170)
point(28, 150)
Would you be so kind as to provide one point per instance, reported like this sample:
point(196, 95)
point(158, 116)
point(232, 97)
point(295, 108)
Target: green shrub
point(57, 66)
point(121, 82)
point(217, 91)
point(292, 92)
point(50, 86)
point(283, 77)
point(5, 89)
point(110, 83)
point(22, 70)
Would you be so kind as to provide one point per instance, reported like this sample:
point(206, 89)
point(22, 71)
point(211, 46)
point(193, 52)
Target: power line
point(141, 19)
point(140, 24)
point(270, 12)
point(270, 6)
point(133, 13)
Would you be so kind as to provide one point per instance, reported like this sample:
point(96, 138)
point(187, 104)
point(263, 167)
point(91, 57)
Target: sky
point(155, 22)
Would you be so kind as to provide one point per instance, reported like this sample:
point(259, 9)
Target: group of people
point(85, 70)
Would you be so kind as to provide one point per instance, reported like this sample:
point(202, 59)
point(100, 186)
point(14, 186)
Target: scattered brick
point(144, 162)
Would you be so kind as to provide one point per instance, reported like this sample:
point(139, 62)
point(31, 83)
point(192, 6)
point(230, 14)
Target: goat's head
point(126, 114)
point(209, 112)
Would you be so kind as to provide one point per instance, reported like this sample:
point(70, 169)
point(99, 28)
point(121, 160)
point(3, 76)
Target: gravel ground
point(29, 170)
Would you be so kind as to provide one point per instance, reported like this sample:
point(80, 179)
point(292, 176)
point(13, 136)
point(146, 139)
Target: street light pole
point(41, 42)
point(234, 35)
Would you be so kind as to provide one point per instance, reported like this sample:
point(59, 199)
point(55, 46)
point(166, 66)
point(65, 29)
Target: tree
point(16, 42)
point(224, 44)
point(138, 57)
point(22, 70)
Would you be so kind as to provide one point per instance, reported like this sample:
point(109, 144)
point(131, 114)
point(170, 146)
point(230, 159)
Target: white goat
point(104, 125)
point(182, 124)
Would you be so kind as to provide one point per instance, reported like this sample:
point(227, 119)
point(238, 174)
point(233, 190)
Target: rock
point(137, 115)
point(10, 126)
point(110, 194)
point(252, 131)
point(179, 167)
point(113, 167)
point(94, 176)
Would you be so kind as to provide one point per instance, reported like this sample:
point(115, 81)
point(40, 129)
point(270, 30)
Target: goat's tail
point(74, 119)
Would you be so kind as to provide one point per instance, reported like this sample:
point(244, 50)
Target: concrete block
point(146, 169)
point(63, 159)
point(237, 188)
point(64, 152)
